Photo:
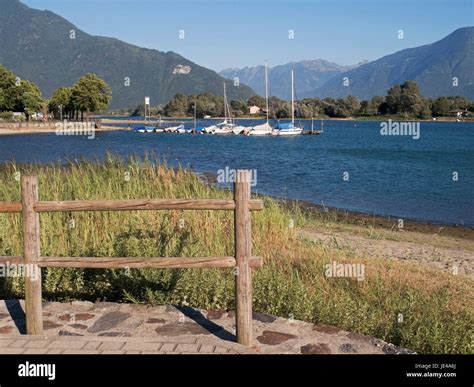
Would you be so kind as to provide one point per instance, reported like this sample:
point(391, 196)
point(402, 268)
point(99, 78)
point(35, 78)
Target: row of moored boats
point(228, 126)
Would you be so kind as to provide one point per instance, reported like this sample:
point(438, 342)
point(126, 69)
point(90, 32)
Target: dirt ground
point(445, 258)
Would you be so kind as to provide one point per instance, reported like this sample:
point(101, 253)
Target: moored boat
point(289, 129)
point(225, 127)
point(263, 129)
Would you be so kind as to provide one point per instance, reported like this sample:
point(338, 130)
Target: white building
point(254, 109)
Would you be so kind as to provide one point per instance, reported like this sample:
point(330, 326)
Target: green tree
point(256, 100)
point(374, 105)
point(411, 102)
point(177, 107)
point(352, 104)
point(61, 100)
point(239, 107)
point(91, 94)
point(441, 106)
point(406, 99)
point(7, 90)
point(392, 100)
point(28, 99)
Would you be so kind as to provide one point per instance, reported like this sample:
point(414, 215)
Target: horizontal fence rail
point(130, 205)
point(30, 207)
point(133, 263)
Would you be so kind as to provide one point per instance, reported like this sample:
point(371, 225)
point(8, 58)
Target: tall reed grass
point(437, 308)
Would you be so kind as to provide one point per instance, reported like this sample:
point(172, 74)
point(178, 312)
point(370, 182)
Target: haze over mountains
point(433, 67)
point(37, 46)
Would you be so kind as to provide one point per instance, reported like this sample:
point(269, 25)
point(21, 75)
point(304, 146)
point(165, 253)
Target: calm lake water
point(387, 175)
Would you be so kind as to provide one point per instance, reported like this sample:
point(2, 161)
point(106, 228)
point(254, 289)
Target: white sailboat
point(263, 129)
point(226, 126)
point(289, 129)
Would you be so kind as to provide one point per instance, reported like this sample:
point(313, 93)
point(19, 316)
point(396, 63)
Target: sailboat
point(226, 126)
point(289, 129)
point(263, 129)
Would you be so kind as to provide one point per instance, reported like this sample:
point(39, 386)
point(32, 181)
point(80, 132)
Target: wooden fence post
point(31, 252)
point(243, 253)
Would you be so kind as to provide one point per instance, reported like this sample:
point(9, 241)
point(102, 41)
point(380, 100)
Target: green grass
point(437, 308)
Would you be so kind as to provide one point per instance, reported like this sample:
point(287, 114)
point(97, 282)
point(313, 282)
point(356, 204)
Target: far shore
point(316, 118)
point(39, 127)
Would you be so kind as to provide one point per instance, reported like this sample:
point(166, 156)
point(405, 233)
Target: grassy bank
point(437, 308)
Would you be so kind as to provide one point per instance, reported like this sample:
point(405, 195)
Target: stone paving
point(96, 345)
point(112, 328)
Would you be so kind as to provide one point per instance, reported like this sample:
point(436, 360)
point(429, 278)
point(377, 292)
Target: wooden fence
point(30, 207)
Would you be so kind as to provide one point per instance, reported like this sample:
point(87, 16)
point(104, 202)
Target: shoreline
point(386, 222)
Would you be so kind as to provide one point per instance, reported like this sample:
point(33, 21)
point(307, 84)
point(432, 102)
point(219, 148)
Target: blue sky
point(239, 33)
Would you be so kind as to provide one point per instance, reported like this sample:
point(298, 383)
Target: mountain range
point(309, 75)
point(50, 51)
point(441, 68)
point(445, 67)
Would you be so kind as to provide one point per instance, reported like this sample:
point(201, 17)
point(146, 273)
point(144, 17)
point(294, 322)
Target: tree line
point(92, 94)
point(401, 100)
point(89, 94)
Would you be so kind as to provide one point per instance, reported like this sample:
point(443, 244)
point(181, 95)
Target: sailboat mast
point(145, 110)
point(266, 88)
point(292, 98)
point(225, 104)
point(194, 116)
